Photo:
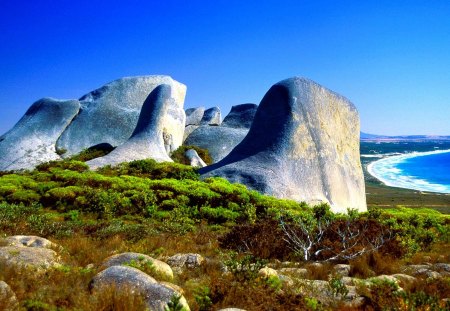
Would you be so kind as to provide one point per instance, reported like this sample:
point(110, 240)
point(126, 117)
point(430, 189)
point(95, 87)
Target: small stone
point(267, 272)
point(194, 158)
point(189, 260)
point(341, 269)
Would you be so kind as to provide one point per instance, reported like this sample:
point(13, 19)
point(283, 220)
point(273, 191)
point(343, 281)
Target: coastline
point(385, 171)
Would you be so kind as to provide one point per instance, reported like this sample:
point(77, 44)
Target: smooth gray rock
point(8, 299)
point(17, 257)
point(218, 140)
point(194, 115)
point(194, 158)
point(303, 145)
point(240, 116)
point(159, 270)
point(121, 278)
point(211, 116)
point(154, 134)
point(30, 241)
point(110, 113)
point(32, 140)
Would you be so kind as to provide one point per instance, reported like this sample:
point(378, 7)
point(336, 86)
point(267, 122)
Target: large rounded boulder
point(110, 114)
point(154, 134)
point(32, 140)
point(303, 145)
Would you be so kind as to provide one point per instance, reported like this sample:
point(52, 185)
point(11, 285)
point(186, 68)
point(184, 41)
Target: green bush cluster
point(169, 192)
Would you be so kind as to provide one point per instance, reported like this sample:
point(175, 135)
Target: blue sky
point(390, 58)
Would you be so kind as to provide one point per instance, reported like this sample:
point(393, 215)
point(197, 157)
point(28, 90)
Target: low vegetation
point(161, 209)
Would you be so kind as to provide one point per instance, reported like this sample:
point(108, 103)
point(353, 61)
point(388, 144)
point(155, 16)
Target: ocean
point(423, 166)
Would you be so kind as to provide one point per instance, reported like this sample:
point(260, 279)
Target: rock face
point(211, 116)
point(110, 113)
point(194, 115)
point(220, 140)
point(240, 116)
point(156, 134)
point(217, 139)
point(121, 278)
point(32, 140)
point(303, 145)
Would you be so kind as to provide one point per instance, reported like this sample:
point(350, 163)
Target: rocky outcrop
point(240, 116)
point(136, 282)
point(194, 115)
point(220, 140)
point(211, 116)
point(110, 114)
point(32, 140)
point(30, 241)
point(19, 257)
point(156, 134)
point(303, 145)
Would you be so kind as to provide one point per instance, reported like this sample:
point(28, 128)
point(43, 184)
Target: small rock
point(29, 257)
point(297, 272)
point(212, 116)
point(189, 260)
point(442, 267)
point(8, 300)
point(155, 295)
point(405, 280)
point(267, 272)
point(194, 158)
point(287, 281)
point(157, 268)
point(341, 269)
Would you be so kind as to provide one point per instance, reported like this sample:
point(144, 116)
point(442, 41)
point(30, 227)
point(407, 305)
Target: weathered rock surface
point(194, 115)
point(160, 270)
point(240, 116)
point(342, 269)
point(110, 114)
point(303, 145)
point(8, 299)
point(155, 132)
point(189, 260)
point(217, 139)
point(194, 158)
point(17, 257)
point(32, 140)
point(29, 241)
point(121, 278)
point(211, 116)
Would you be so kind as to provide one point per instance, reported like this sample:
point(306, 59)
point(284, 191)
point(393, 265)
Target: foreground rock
point(303, 145)
point(32, 140)
point(19, 257)
point(159, 270)
point(110, 113)
point(136, 282)
point(29, 241)
point(155, 132)
point(8, 299)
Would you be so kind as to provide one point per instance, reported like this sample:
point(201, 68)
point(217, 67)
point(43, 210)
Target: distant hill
point(372, 137)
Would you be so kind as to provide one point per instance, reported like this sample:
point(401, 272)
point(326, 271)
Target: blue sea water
point(424, 171)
